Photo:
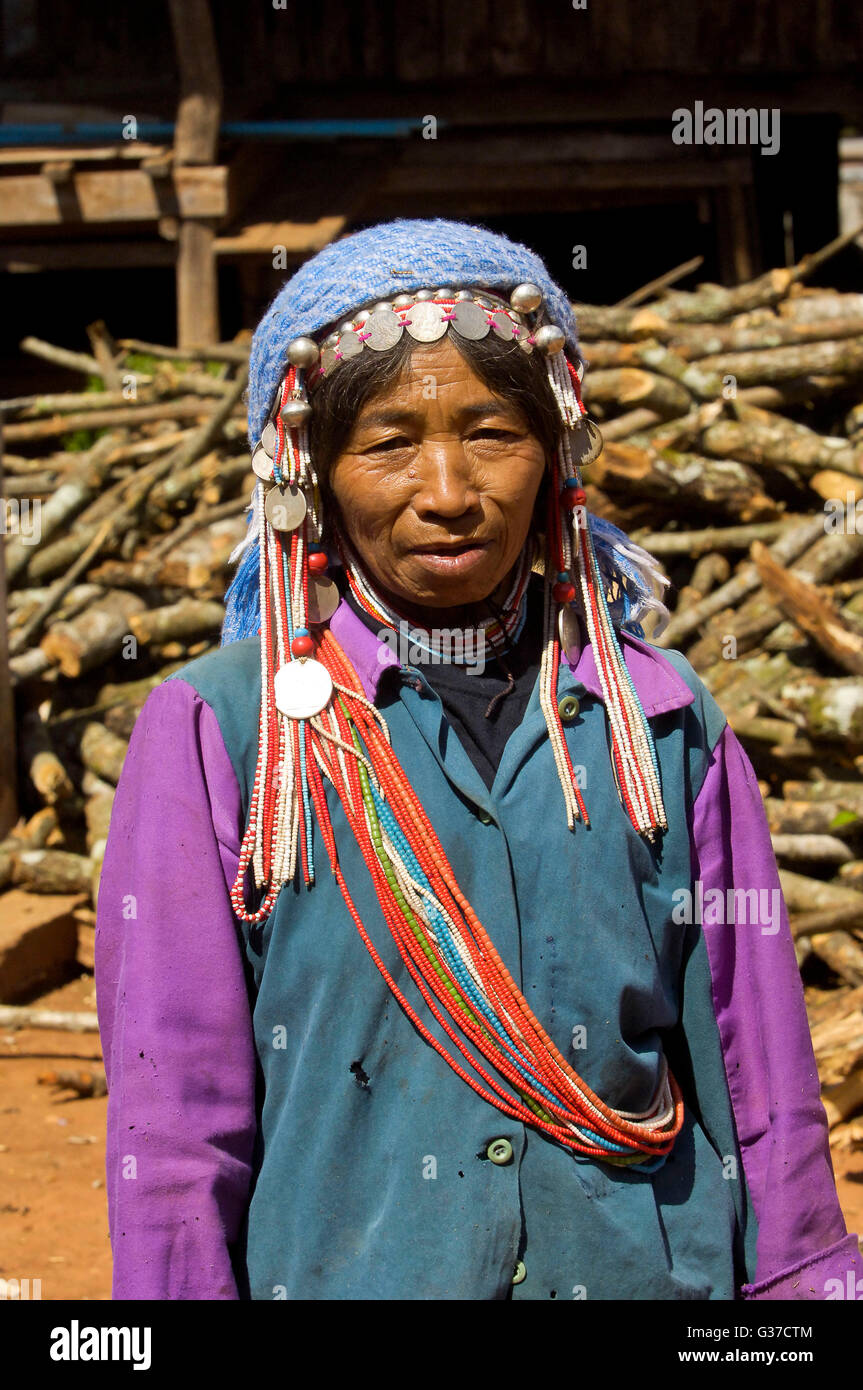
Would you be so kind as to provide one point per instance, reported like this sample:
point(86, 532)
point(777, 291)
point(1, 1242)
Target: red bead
point(302, 646)
point(572, 497)
point(563, 592)
point(318, 561)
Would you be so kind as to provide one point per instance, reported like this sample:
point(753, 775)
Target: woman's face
point(436, 485)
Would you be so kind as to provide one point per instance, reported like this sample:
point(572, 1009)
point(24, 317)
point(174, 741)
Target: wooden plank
point(116, 195)
point(613, 35)
point(196, 138)
point(196, 131)
point(516, 44)
point(417, 48)
point(554, 99)
point(298, 238)
point(129, 150)
point(423, 176)
point(374, 48)
point(20, 257)
point(8, 755)
point(464, 28)
point(197, 285)
point(480, 202)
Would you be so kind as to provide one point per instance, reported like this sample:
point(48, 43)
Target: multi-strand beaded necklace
point(467, 645)
point(316, 723)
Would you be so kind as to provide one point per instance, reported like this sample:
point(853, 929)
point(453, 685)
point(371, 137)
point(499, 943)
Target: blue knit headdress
point(361, 268)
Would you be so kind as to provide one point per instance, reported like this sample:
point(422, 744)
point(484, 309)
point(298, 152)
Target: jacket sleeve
point(174, 1009)
point(773, 1081)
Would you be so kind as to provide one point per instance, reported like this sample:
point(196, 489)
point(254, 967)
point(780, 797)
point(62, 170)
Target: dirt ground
point(53, 1213)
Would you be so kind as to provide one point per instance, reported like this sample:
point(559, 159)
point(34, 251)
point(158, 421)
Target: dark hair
point(514, 375)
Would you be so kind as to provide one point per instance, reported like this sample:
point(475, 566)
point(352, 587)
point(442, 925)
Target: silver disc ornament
point(262, 465)
point(349, 344)
point(586, 443)
point(269, 439)
point(302, 688)
point(324, 599)
point(470, 320)
point(285, 507)
point(384, 329)
point(424, 322)
point(502, 324)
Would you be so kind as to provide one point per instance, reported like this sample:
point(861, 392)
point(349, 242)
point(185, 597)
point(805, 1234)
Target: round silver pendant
point(262, 464)
point(349, 344)
point(569, 629)
point(302, 688)
point(324, 599)
point(269, 439)
point(502, 324)
point(285, 507)
point(425, 324)
point(328, 359)
point(384, 329)
point(469, 319)
point(586, 443)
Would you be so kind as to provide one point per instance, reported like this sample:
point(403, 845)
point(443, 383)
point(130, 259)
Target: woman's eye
point(396, 441)
point(493, 434)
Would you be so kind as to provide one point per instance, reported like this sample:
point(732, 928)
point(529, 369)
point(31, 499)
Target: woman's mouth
point(455, 559)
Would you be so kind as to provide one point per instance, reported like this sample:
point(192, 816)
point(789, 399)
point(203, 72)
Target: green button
point(568, 708)
point(500, 1151)
point(485, 817)
point(520, 1273)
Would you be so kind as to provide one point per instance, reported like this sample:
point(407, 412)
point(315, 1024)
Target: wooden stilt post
point(8, 760)
point(195, 142)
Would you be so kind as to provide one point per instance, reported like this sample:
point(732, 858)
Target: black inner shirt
point(466, 694)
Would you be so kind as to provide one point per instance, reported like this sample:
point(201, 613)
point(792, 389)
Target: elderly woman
point(440, 946)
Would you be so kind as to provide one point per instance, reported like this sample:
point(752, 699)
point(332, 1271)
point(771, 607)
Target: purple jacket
point(176, 1000)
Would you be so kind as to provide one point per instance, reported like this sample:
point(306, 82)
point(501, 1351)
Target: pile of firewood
point(124, 502)
point(733, 429)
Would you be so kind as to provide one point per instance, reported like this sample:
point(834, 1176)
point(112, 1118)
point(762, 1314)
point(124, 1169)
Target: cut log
point(94, 636)
point(188, 619)
point(812, 612)
point(68, 1021)
point(52, 871)
point(103, 752)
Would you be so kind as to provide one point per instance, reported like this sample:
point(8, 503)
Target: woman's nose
point(446, 483)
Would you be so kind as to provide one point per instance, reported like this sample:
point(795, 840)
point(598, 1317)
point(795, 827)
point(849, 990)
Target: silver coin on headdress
point(285, 507)
point(424, 322)
point(262, 464)
point(324, 599)
point(302, 688)
point(585, 443)
point(349, 344)
point(469, 319)
point(269, 439)
point(384, 329)
point(502, 324)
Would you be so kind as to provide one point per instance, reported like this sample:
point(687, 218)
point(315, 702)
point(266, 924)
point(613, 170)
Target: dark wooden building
point(552, 120)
